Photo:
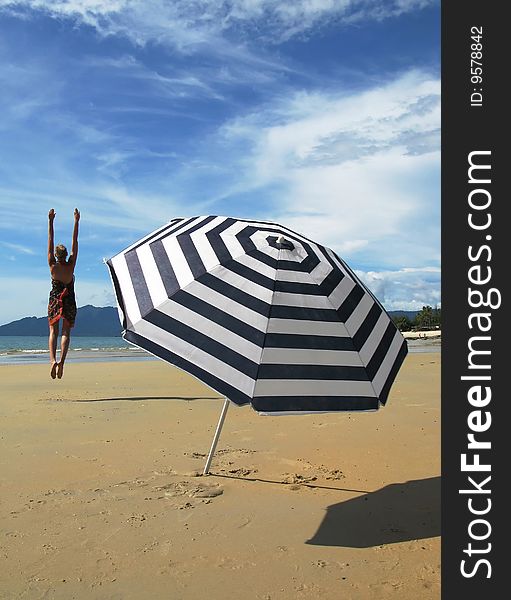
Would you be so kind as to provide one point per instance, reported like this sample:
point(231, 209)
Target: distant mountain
point(101, 322)
point(91, 321)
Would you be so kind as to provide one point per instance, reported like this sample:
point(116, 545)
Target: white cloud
point(405, 289)
point(352, 170)
point(288, 19)
point(359, 203)
point(189, 24)
point(108, 210)
point(24, 92)
point(130, 210)
point(168, 82)
point(19, 248)
point(318, 128)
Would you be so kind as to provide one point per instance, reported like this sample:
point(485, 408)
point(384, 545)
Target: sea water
point(18, 349)
point(34, 349)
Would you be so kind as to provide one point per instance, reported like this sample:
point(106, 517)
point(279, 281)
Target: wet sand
point(102, 497)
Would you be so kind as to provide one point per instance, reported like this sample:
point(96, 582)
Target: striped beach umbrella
point(259, 313)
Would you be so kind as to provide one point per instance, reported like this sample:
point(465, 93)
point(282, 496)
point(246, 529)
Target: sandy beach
point(102, 497)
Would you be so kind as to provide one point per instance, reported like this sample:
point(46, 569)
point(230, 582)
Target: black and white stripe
point(259, 313)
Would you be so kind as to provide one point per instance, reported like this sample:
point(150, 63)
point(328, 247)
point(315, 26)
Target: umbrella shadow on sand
point(398, 512)
point(147, 398)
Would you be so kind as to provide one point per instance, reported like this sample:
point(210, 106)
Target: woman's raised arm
point(74, 245)
point(51, 254)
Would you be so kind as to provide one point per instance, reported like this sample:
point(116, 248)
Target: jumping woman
point(62, 303)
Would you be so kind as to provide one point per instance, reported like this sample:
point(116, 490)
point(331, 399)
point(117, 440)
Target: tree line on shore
point(425, 319)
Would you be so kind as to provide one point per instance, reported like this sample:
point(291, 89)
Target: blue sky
point(321, 115)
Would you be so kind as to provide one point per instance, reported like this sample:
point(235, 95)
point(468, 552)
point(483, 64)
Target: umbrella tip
point(285, 244)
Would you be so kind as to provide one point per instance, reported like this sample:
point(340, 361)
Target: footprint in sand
point(192, 490)
point(136, 519)
point(335, 474)
point(296, 478)
point(320, 563)
point(206, 492)
point(239, 472)
point(235, 451)
point(321, 471)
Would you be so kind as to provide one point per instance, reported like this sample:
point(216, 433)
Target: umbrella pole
point(217, 435)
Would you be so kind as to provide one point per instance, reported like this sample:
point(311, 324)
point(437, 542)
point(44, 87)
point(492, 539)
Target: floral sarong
point(62, 303)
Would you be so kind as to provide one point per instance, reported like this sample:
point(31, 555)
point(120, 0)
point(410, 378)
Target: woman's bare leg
point(64, 347)
point(52, 346)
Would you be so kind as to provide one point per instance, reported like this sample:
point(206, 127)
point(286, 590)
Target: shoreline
point(85, 356)
point(134, 354)
point(435, 334)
